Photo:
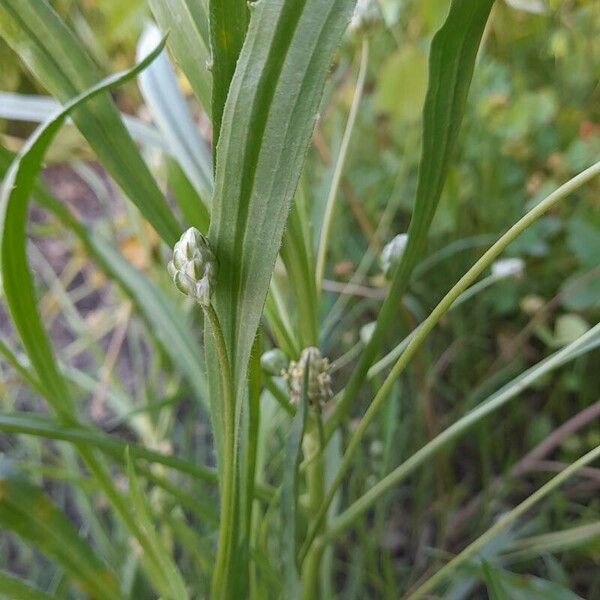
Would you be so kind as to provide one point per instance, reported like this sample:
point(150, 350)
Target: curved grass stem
point(502, 524)
point(339, 166)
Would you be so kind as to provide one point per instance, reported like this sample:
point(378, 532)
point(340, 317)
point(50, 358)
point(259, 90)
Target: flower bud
point(319, 381)
point(274, 362)
point(367, 16)
point(392, 253)
point(194, 266)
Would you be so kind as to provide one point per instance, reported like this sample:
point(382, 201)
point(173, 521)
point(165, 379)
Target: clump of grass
point(287, 421)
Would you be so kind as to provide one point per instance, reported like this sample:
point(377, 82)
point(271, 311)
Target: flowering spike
point(319, 379)
point(194, 266)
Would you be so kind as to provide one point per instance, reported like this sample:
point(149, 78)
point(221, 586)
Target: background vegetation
point(532, 122)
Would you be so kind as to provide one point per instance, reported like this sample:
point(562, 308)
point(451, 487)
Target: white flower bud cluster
point(194, 267)
point(367, 16)
point(392, 253)
point(319, 380)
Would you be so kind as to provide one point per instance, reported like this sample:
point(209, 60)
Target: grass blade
point(173, 119)
point(502, 523)
point(187, 24)
point(451, 64)
point(27, 511)
point(37, 109)
point(16, 589)
point(60, 63)
point(165, 321)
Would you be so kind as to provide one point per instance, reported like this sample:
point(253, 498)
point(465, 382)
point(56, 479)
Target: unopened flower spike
point(194, 267)
point(319, 379)
point(392, 253)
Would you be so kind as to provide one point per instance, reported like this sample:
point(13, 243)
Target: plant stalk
point(315, 482)
point(223, 574)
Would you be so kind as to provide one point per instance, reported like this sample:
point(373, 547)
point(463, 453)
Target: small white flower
point(508, 267)
point(392, 253)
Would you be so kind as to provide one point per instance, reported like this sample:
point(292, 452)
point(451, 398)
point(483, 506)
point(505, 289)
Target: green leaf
point(451, 64)
point(290, 494)
point(59, 62)
point(173, 585)
point(228, 22)
point(269, 116)
point(31, 424)
point(17, 280)
point(28, 512)
point(36, 109)
point(166, 322)
point(173, 119)
point(187, 24)
point(16, 589)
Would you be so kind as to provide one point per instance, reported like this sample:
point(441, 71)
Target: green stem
point(339, 166)
point(502, 524)
point(315, 483)
point(415, 343)
point(223, 573)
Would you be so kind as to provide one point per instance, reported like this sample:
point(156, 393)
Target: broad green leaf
point(228, 21)
point(60, 63)
point(187, 24)
point(28, 512)
point(269, 116)
point(17, 589)
point(451, 64)
point(173, 119)
point(290, 494)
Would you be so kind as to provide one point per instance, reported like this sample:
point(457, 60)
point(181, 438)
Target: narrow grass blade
point(17, 589)
point(502, 523)
point(28, 512)
point(17, 280)
point(31, 424)
point(451, 64)
point(173, 119)
point(59, 62)
point(586, 343)
point(187, 24)
point(165, 321)
point(37, 109)
point(172, 581)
